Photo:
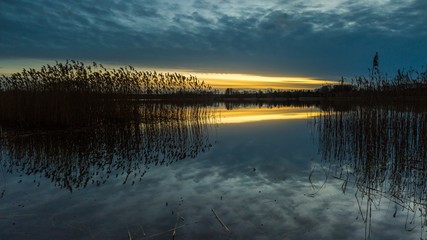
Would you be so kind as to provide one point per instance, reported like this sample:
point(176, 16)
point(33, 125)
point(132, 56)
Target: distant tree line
point(269, 93)
point(406, 83)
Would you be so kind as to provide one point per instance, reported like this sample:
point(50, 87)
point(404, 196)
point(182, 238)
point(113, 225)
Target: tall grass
point(158, 134)
point(408, 82)
point(71, 94)
point(382, 150)
point(404, 85)
point(74, 76)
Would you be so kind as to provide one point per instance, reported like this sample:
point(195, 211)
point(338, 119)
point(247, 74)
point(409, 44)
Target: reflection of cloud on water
point(263, 182)
point(380, 150)
point(156, 135)
point(191, 190)
point(281, 210)
point(254, 214)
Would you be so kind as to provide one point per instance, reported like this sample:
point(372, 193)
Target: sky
point(273, 42)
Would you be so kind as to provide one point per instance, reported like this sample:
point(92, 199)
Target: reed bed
point(405, 85)
point(408, 82)
point(159, 134)
point(382, 150)
point(71, 94)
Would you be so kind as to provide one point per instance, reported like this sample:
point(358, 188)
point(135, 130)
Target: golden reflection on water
point(256, 114)
point(148, 135)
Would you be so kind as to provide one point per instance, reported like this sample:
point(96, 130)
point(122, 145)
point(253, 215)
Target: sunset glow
point(198, 119)
point(256, 114)
point(246, 81)
point(216, 80)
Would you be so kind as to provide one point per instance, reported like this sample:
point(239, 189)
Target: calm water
point(264, 172)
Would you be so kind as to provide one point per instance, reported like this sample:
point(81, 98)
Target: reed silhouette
point(406, 83)
point(158, 134)
point(71, 94)
point(382, 151)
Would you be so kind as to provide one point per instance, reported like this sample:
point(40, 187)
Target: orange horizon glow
point(215, 80)
point(246, 81)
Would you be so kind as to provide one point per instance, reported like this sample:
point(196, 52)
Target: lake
point(222, 171)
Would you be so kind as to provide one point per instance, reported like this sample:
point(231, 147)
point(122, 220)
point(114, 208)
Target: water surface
point(265, 172)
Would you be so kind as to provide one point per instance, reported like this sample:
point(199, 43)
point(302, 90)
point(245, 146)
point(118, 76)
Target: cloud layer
point(276, 37)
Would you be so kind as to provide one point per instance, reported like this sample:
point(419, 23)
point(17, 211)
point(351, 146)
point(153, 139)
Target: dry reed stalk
point(174, 229)
point(220, 221)
point(143, 232)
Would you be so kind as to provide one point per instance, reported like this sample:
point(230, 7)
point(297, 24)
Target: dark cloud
point(280, 23)
point(292, 38)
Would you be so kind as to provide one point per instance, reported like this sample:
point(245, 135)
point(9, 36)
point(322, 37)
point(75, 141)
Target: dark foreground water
point(212, 173)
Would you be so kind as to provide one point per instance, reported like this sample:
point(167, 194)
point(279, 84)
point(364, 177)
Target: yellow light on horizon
point(256, 114)
point(216, 80)
point(232, 80)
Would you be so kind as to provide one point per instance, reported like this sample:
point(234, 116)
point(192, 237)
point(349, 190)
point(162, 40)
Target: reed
point(71, 94)
point(406, 84)
point(157, 135)
point(380, 149)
